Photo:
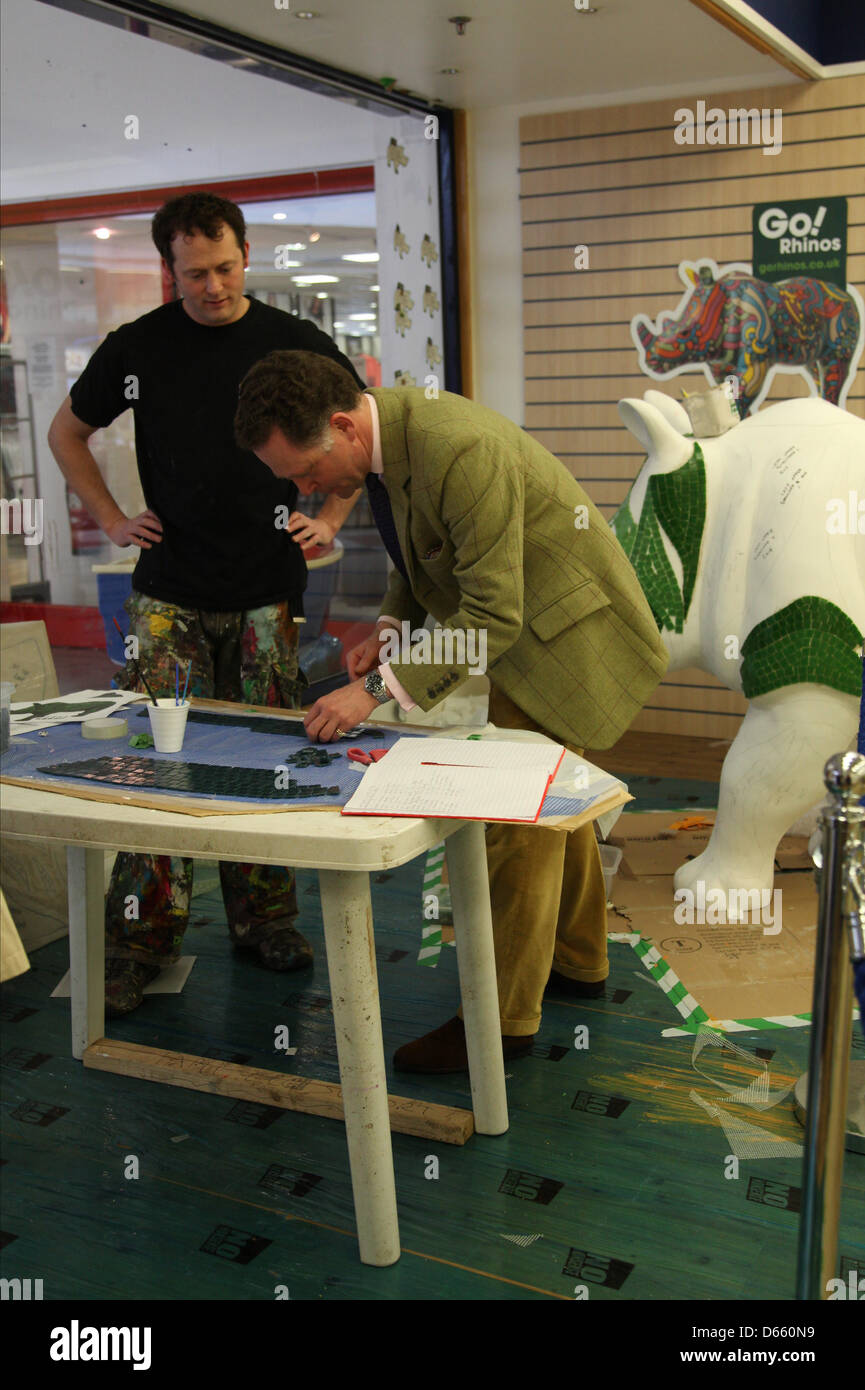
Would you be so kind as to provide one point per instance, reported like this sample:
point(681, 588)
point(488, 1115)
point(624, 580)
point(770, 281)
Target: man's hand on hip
point(340, 710)
point(144, 530)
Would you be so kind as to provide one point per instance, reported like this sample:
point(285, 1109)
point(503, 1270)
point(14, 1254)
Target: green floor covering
point(626, 1193)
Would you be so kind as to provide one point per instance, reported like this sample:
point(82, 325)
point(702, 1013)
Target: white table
point(344, 850)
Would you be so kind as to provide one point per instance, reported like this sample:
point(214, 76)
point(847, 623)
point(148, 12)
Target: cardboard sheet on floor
point(170, 980)
point(733, 970)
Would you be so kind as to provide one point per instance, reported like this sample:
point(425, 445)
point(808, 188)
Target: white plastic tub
point(611, 858)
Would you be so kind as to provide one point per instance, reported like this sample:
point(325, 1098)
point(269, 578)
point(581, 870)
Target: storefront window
point(67, 285)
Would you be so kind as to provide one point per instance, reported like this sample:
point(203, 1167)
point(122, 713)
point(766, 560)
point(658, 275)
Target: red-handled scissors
point(371, 755)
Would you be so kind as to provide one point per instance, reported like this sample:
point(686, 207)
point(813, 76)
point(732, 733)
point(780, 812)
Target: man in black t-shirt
point(220, 576)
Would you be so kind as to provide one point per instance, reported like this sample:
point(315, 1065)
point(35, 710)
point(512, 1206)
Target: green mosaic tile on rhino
point(808, 613)
point(809, 640)
point(680, 504)
point(677, 502)
point(624, 526)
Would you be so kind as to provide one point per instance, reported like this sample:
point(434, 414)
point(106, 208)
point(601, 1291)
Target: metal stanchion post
point(839, 937)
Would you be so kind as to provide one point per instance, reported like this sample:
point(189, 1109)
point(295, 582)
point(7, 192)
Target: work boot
point(125, 981)
point(577, 989)
point(444, 1050)
point(284, 948)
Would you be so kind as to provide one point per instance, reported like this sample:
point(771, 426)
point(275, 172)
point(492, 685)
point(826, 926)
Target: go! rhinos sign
point(805, 236)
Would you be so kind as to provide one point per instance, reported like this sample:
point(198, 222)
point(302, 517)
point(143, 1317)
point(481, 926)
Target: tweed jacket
point(498, 536)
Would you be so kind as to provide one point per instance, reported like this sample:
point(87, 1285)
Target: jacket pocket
point(571, 607)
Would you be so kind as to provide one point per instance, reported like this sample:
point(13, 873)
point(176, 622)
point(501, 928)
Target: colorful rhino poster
point(730, 324)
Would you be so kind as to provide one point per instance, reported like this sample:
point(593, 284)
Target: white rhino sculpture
point(751, 550)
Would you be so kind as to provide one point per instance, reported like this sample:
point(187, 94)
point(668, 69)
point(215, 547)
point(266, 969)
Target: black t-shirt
point(221, 550)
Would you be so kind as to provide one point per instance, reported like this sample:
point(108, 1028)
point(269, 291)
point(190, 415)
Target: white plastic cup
point(168, 724)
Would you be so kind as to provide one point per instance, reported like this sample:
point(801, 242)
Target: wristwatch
point(374, 685)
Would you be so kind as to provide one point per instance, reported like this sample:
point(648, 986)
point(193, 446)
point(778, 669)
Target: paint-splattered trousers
point(247, 657)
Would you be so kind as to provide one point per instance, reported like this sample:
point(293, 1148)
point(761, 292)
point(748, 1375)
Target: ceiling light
point(322, 294)
point(339, 325)
point(290, 265)
point(280, 216)
point(362, 256)
point(315, 279)
point(315, 236)
point(360, 318)
point(295, 245)
point(103, 233)
point(375, 287)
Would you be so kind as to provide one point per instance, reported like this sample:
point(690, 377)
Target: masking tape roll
point(105, 728)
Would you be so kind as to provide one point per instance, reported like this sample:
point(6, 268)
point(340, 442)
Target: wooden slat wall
point(613, 179)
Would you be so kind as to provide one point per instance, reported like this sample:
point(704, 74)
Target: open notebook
point(464, 779)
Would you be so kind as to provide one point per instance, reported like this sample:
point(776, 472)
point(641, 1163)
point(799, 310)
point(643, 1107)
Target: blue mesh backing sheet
point(226, 756)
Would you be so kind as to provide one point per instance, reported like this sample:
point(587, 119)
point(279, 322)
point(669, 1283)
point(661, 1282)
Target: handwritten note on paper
point(461, 793)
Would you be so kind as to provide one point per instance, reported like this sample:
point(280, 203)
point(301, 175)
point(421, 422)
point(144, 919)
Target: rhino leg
point(771, 776)
point(832, 375)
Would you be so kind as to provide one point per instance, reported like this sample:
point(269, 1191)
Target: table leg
point(476, 962)
point(86, 878)
point(348, 935)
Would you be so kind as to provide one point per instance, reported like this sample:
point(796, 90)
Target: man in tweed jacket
point(495, 537)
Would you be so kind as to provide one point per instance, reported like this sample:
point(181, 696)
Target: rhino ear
point(674, 413)
point(657, 436)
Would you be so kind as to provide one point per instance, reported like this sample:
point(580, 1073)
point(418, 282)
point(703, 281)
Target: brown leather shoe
point(577, 989)
point(444, 1050)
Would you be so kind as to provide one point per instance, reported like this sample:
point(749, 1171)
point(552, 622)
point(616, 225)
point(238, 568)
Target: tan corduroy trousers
point(548, 901)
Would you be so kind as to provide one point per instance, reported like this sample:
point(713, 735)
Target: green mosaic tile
point(809, 640)
point(257, 723)
point(804, 614)
point(680, 504)
point(677, 502)
point(624, 526)
point(43, 709)
point(201, 779)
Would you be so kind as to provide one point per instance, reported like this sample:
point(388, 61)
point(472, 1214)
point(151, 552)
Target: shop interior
point(658, 1127)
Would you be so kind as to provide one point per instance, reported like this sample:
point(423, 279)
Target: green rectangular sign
point(801, 236)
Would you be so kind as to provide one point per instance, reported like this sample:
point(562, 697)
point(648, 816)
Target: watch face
point(375, 686)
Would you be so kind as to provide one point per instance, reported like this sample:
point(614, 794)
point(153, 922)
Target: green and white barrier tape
point(692, 1012)
point(433, 891)
point(665, 976)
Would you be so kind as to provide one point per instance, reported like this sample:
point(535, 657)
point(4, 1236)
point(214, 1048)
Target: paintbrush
point(136, 668)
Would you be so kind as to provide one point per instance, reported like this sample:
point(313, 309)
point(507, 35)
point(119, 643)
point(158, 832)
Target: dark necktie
point(383, 517)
